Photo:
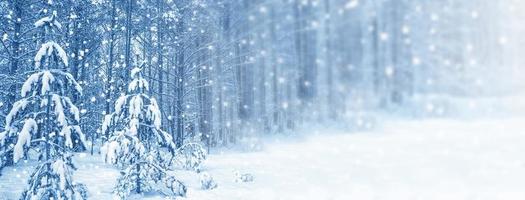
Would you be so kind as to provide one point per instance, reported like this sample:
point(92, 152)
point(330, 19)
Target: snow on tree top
point(49, 20)
point(138, 82)
point(47, 49)
point(135, 71)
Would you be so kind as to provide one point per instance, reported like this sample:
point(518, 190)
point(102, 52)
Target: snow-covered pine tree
point(136, 142)
point(45, 120)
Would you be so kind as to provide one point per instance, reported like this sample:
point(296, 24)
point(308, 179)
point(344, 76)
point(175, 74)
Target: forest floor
point(401, 159)
point(429, 159)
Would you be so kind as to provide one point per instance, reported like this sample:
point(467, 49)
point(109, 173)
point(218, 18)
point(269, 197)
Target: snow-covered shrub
point(174, 187)
point(207, 182)
point(142, 177)
point(243, 177)
point(190, 156)
point(122, 149)
point(52, 180)
point(136, 143)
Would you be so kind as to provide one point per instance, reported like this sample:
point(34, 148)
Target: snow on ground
point(402, 159)
point(427, 159)
point(99, 177)
point(14, 179)
point(431, 159)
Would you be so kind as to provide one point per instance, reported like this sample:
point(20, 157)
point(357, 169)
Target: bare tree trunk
point(180, 80)
point(160, 56)
point(263, 119)
point(244, 75)
point(109, 67)
point(15, 53)
point(276, 98)
point(127, 51)
point(330, 98)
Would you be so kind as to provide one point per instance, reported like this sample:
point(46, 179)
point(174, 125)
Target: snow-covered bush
point(145, 176)
point(174, 187)
point(207, 182)
point(190, 156)
point(52, 180)
point(136, 143)
point(122, 149)
point(243, 177)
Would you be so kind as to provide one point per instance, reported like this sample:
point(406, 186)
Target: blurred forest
point(223, 70)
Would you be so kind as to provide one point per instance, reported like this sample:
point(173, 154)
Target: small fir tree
point(45, 120)
point(136, 142)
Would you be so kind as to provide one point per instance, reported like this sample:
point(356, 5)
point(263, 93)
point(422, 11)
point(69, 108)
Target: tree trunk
point(127, 51)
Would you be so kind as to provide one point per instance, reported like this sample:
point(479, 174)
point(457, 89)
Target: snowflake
point(434, 17)
point(284, 105)
point(474, 14)
point(502, 40)
point(351, 4)
point(383, 36)
point(263, 9)
point(416, 61)
point(405, 29)
point(389, 71)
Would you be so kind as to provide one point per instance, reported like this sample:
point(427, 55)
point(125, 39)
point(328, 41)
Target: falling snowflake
point(416, 61)
point(389, 71)
point(383, 36)
point(351, 4)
